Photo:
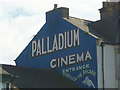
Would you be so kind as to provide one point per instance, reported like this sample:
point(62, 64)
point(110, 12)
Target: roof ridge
point(80, 18)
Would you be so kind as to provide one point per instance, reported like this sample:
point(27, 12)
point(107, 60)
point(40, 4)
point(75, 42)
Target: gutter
point(102, 45)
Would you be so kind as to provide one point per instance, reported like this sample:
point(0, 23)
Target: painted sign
point(64, 47)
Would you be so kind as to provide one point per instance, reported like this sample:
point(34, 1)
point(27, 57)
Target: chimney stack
point(55, 6)
point(114, 0)
point(56, 14)
point(109, 9)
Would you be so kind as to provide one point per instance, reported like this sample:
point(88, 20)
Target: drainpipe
point(102, 46)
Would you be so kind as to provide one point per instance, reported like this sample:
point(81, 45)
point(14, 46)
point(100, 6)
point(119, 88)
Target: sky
point(20, 20)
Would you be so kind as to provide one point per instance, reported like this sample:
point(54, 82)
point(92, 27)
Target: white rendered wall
point(0, 86)
point(110, 67)
point(99, 66)
point(0, 77)
point(118, 59)
point(111, 59)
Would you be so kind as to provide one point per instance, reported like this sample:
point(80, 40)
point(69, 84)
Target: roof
point(81, 23)
point(107, 29)
point(2, 71)
point(5, 76)
point(37, 78)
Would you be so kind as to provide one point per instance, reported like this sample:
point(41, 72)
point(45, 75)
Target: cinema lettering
point(69, 60)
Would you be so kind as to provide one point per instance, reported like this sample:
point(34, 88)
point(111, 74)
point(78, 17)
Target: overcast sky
point(20, 20)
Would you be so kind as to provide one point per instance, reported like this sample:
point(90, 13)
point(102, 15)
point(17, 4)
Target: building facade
point(85, 52)
point(6, 80)
point(108, 29)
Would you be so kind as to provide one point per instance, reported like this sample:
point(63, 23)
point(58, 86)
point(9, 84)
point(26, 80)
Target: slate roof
point(81, 23)
point(2, 71)
point(107, 29)
point(37, 78)
point(5, 76)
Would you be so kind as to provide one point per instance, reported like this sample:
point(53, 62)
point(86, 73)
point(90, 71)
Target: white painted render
point(0, 86)
point(99, 66)
point(111, 66)
point(111, 80)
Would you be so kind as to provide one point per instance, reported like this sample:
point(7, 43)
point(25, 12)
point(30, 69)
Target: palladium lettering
point(61, 41)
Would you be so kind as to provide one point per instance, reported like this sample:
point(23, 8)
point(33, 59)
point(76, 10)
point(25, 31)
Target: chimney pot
point(55, 6)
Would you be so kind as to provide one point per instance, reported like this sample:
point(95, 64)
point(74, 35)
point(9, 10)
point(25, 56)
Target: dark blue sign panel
point(64, 47)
